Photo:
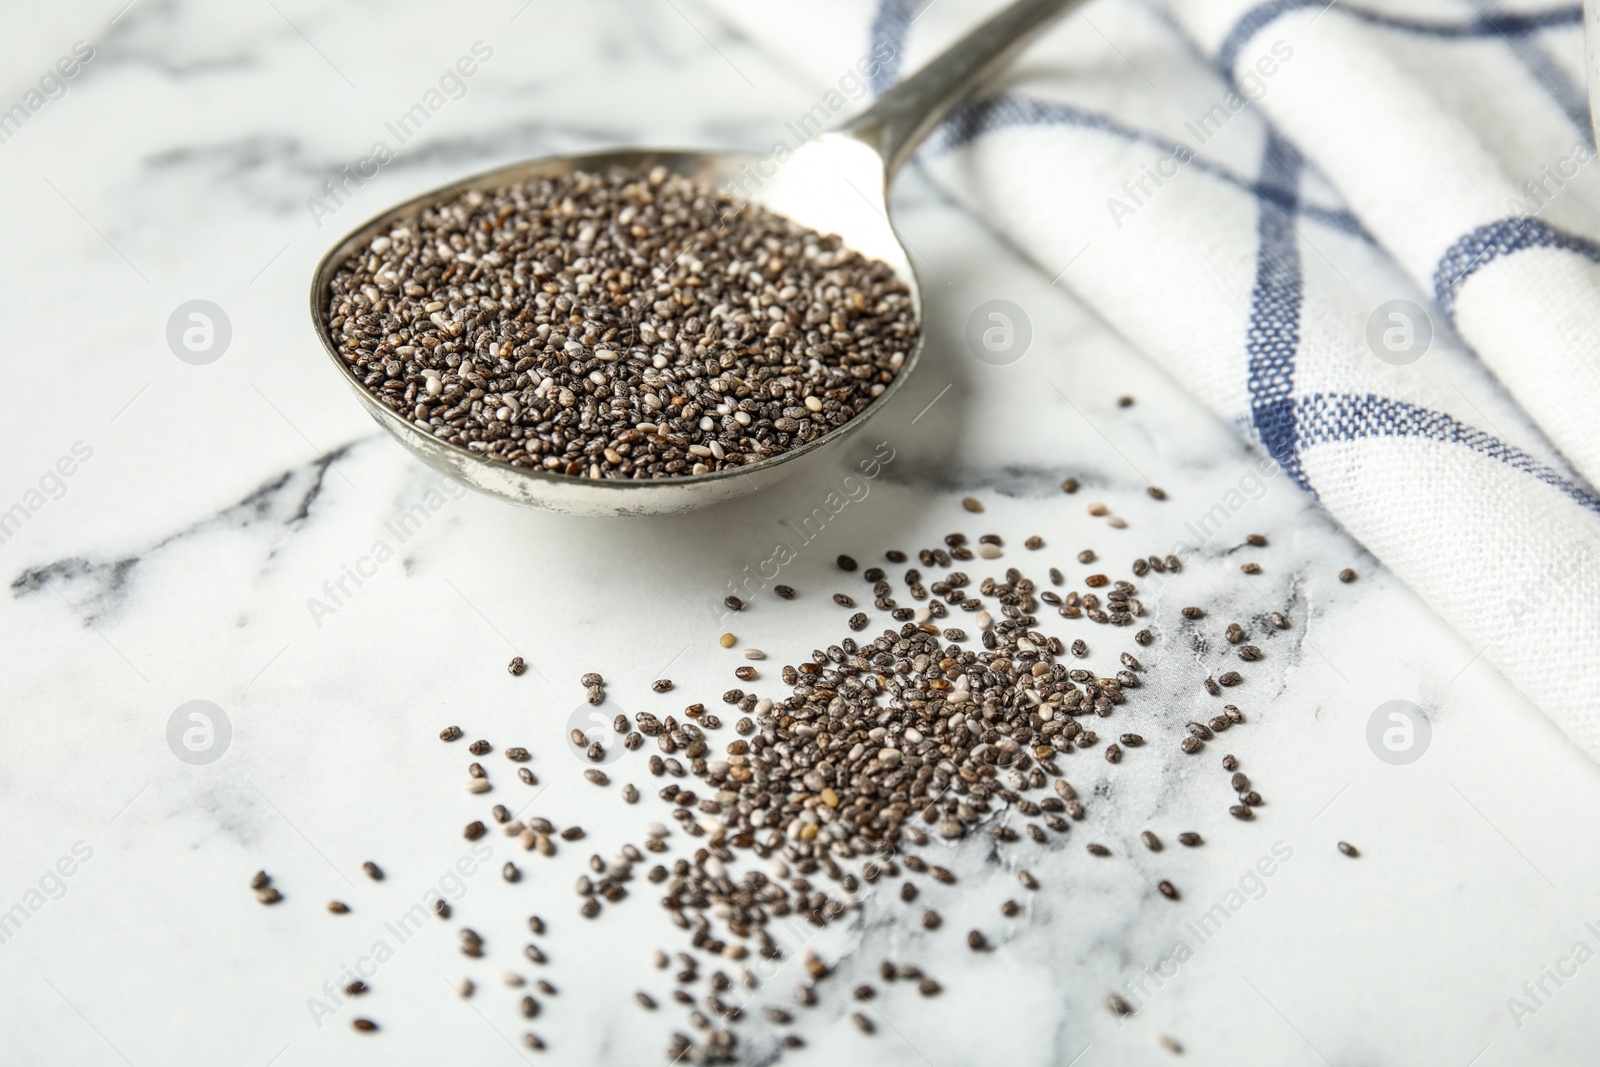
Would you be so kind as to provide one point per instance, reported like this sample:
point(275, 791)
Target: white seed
point(477, 785)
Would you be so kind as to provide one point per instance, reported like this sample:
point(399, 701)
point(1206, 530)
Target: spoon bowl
point(836, 183)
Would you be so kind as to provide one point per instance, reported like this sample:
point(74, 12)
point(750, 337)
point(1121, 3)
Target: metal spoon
point(835, 183)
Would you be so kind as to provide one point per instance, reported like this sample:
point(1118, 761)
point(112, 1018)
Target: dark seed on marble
point(846, 563)
point(591, 678)
point(1230, 678)
point(1113, 753)
point(260, 880)
point(1348, 849)
point(591, 908)
point(1193, 613)
point(929, 988)
point(474, 831)
point(450, 733)
point(976, 941)
point(843, 600)
point(1229, 762)
point(733, 603)
point(864, 992)
point(1256, 540)
point(1132, 740)
point(372, 871)
point(1240, 782)
point(1212, 687)
point(1010, 909)
point(517, 665)
point(1070, 485)
point(529, 1008)
point(940, 874)
point(533, 1041)
point(1189, 839)
point(1117, 1005)
point(501, 813)
point(1279, 620)
point(972, 503)
point(1191, 745)
point(268, 895)
point(479, 747)
point(1157, 493)
point(645, 1000)
point(1151, 841)
point(1027, 879)
point(1250, 568)
point(1144, 637)
point(859, 621)
point(894, 555)
point(863, 1023)
point(784, 591)
point(527, 776)
point(1168, 890)
point(1241, 811)
point(366, 1026)
point(1347, 575)
point(1097, 849)
point(1034, 543)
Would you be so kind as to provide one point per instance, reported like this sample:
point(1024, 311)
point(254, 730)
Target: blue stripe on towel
point(1339, 417)
point(978, 117)
point(1488, 243)
point(1507, 24)
point(1273, 336)
point(891, 24)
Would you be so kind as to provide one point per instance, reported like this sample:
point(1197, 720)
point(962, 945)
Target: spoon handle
point(907, 113)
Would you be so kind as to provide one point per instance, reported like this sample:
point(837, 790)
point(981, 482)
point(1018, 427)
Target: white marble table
point(208, 506)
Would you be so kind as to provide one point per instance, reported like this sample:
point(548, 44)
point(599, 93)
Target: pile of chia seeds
point(618, 326)
point(884, 754)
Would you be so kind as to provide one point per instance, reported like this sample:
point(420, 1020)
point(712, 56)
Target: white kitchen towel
point(1364, 234)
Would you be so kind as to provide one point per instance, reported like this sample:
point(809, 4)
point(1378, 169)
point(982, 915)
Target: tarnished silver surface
point(836, 183)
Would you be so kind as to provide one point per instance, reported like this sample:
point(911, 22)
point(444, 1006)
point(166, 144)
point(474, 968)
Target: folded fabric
point(1368, 236)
